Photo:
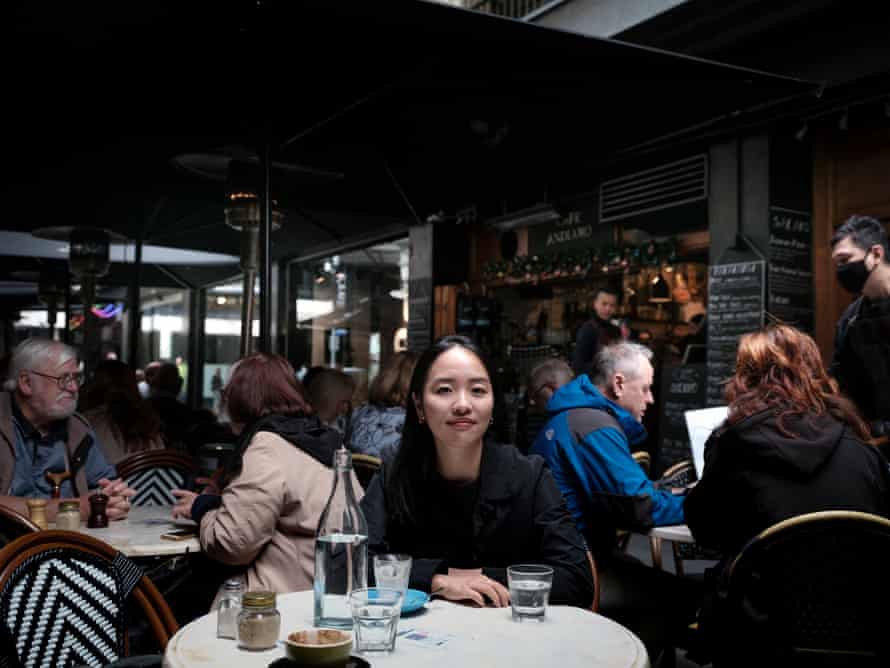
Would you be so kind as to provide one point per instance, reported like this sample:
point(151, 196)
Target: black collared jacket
point(518, 517)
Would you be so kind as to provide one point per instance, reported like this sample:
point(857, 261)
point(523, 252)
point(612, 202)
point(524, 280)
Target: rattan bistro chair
point(807, 591)
point(154, 473)
point(13, 525)
point(644, 459)
point(64, 598)
point(365, 466)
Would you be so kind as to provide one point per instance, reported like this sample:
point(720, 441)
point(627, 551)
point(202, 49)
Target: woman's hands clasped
point(470, 585)
point(118, 498)
point(184, 501)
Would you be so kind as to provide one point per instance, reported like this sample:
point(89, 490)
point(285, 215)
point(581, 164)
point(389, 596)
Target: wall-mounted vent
point(654, 189)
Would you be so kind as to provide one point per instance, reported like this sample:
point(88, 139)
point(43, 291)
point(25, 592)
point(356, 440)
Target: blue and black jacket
point(586, 443)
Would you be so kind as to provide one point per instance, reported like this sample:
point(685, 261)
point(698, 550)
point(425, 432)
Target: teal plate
point(414, 601)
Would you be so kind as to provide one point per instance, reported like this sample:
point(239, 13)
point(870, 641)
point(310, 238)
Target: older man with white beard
point(40, 433)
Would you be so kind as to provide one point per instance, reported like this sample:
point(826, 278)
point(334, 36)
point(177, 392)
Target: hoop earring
point(491, 421)
point(420, 419)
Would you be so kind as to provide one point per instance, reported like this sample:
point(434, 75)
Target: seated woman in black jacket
point(465, 508)
point(792, 444)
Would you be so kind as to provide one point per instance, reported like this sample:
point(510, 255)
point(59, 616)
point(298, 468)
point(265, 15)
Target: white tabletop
point(571, 637)
point(679, 533)
point(140, 534)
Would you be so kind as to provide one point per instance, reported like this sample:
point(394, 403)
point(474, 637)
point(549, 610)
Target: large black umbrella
point(379, 113)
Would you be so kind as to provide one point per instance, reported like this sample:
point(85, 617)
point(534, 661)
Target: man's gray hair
point(621, 358)
point(554, 370)
point(31, 353)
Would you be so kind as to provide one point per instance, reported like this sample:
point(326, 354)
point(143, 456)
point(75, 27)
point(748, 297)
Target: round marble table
point(678, 533)
point(140, 534)
point(569, 638)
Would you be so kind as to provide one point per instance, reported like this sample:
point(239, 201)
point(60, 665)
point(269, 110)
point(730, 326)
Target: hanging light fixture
point(660, 293)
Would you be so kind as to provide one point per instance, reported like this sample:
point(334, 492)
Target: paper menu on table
point(700, 423)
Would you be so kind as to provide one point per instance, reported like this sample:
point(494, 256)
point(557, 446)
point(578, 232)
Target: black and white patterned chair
point(154, 473)
point(64, 599)
point(13, 525)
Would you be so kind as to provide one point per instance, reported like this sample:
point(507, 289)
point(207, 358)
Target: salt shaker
point(228, 608)
point(98, 518)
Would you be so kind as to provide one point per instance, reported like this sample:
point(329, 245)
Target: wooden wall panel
point(851, 175)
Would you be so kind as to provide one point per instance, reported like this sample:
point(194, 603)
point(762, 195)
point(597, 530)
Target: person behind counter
point(465, 507)
point(596, 332)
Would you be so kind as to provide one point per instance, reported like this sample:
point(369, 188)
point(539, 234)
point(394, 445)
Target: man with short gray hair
point(42, 433)
point(594, 422)
point(586, 443)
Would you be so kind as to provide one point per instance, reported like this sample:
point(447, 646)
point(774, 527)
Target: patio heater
point(88, 259)
point(244, 213)
point(50, 291)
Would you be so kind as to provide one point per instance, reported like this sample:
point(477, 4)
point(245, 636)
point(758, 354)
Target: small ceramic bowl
point(319, 647)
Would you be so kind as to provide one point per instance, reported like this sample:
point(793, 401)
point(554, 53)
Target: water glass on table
point(529, 586)
point(392, 571)
point(375, 618)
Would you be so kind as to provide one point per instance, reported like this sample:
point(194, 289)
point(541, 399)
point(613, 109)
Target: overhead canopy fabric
point(385, 112)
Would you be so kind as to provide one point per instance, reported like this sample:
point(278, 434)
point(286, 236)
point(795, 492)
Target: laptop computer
point(700, 423)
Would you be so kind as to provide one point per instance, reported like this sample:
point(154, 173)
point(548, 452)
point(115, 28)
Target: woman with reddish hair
point(792, 444)
point(276, 484)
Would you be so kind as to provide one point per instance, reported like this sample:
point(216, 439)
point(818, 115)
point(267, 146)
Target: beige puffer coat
point(269, 515)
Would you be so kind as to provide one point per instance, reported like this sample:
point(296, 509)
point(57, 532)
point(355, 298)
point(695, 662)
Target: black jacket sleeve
point(374, 507)
point(586, 345)
point(562, 547)
point(714, 507)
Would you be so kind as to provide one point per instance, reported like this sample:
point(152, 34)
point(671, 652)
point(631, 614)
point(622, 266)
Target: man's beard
point(61, 411)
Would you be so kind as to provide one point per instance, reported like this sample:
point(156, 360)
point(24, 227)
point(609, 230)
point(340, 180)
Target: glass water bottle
point(341, 549)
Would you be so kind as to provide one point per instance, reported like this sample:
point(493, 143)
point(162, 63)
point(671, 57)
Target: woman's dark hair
point(262, 384)
point(415, 462)
point(391, 386)
point(780, 368)
point(114, 387)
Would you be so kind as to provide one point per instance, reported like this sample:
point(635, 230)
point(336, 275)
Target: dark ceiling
point(406, 107)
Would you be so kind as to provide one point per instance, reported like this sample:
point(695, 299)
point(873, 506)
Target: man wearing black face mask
point(861, 362)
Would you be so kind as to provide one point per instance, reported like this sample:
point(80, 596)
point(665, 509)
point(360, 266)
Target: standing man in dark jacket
point(596, 332)
point(861, 362)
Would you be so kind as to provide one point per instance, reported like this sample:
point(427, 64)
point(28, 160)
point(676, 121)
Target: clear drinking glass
point(392, 571)
point(529, 586)
point(375, 618)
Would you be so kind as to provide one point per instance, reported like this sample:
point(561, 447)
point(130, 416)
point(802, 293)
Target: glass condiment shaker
point(37, 512)
point(259, 621)
point(228, 608)
point(98, 519)
point(68, 517)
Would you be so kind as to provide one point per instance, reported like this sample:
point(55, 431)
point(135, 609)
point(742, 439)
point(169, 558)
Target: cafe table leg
point(655, 546)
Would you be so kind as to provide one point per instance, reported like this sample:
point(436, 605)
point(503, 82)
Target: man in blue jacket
point(593, 424)
point(587, 444)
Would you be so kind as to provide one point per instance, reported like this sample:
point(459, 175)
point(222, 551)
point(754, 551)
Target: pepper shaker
point(98, 519)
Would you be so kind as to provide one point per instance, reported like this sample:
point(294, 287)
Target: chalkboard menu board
point(736, 296)
point(791, 267)
point(682, 389)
